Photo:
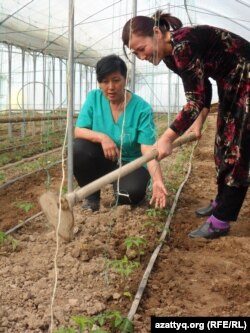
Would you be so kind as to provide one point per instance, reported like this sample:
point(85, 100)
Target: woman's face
point(113, 86)
point(148, 48)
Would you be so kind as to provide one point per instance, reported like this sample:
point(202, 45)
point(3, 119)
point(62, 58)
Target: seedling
point(153, 212)
point(117, 322)
point(4, 159)
point(25, 206)
point(136, 243)
point(84, 323)
point(128, 295)
point(123, 266)
point(111, 320)
point(5, 239)
point(64, 189)
point(2, 176)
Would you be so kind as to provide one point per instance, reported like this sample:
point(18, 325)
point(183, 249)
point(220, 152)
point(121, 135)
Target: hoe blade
point(50, 206)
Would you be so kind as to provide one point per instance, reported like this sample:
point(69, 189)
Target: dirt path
point(190, 277)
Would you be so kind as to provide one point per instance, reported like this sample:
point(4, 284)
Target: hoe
point(60, 213)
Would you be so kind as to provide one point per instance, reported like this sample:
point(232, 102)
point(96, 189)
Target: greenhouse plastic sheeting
point(42, 25)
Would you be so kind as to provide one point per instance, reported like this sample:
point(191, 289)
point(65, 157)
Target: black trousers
point(89, 164)
point(229, 202)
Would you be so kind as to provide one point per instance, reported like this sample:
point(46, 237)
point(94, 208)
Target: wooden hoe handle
point(79, 194)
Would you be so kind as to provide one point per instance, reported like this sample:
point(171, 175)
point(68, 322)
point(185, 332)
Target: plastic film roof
point(42, 25)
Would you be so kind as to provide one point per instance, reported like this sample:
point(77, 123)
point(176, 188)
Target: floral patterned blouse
point(204, 52)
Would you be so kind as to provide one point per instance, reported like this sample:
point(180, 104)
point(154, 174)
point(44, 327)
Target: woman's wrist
point(101, 137)
point(169, 135)
point(205, 112)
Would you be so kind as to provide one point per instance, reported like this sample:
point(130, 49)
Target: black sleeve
point(208, 93)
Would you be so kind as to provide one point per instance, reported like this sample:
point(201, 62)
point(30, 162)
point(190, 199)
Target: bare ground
point(189, 278)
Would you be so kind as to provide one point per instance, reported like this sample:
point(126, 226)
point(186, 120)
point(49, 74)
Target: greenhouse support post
point(70, 95)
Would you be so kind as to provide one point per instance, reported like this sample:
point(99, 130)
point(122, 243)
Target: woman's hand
point(197, 125)
point(159, 194)
point(110, 150)
point(164, 147)
point(164, 144)
point(159, 191)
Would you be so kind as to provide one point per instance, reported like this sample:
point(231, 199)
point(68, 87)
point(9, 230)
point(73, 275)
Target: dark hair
point(144, 26)
point(110, 64)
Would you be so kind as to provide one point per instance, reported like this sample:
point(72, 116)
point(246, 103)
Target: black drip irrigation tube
point(18, 226)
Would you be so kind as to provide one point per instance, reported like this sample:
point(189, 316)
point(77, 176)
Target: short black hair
point(110, 64)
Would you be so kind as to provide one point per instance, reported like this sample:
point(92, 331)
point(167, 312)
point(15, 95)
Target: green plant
point(3, 237)
point(4, 159)
point(117, 322)
point(14, 243)
point(156, 218)
point(158, 225)
point(9, 240)
point(153, 212)
point(128, 295)
point(64, 189)
point(2, 176)
point(111, 320)
point(18, 156)
point(24, 205)
point(136, 243)
point(48, 145)
point(84, 322)
point(123, 266)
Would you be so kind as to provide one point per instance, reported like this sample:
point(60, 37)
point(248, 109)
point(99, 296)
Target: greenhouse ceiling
point(42, 25)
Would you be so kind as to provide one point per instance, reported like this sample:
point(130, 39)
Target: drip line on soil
point(23, 223)
point(153, 258)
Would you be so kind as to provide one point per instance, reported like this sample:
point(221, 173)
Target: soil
point(189, 278)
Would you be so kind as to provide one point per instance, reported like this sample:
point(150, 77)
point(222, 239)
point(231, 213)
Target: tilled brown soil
point(189, 277)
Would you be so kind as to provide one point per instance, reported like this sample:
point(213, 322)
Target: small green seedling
point(5, 239)
point(136, 243)
point(84, 323)
point(123, 266)
point(128, 295)
point(64, 189)
point(24, 205)
point(153, 212)
point(2, 176)
point(117, 322)
point(111, 320)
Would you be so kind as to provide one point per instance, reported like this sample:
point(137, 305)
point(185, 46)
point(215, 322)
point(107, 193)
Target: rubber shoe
point(207, 230)
point(93, 204)
point(205, 211)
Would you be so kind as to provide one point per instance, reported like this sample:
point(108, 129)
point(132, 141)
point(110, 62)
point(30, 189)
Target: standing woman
point(197, 53)
point(114, 125)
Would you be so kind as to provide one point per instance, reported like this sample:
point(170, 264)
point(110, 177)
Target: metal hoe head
point(61, 219)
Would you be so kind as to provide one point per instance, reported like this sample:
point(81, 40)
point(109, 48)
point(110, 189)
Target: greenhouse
point(89, 271)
